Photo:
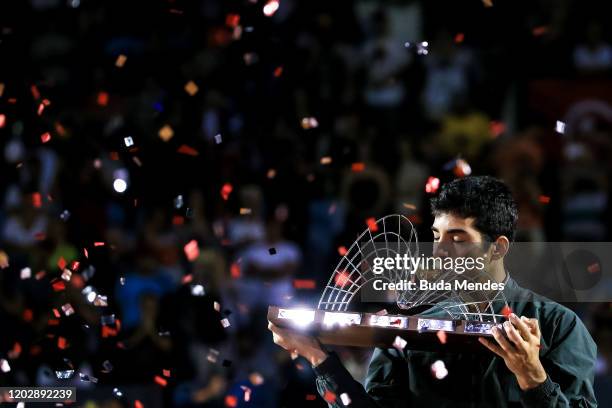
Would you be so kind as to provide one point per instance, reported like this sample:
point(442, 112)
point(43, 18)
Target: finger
point(521, 326)
point(515, 337)
point(534, 326)
point(493, 347)
point(501, 340)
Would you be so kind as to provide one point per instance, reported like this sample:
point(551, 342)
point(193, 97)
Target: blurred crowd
point(171, 168)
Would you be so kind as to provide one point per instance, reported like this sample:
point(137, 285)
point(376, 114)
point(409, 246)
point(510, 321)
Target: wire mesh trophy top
point(391, 236)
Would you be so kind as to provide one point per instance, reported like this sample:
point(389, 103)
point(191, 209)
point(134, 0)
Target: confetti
point(138, 404)
point(544, 199)
point(496, 128)
point(67, 309)
point(231, 401)
point(166, 133)
point(310, 397)
point(197, 290)
point(88, 378)
point(101, 301)
point(188, 150)
point(128, 141)
point(487, 3)
point(441, 334)
point(235, 270)
point(432, 185)
point(5, 367)
point(357, 167)
point(66, 275)
point(329, 396)
point(326, 160)
point(309, 123)
point(271, 7)
point(64, 374)
point(247, 393)
point(212, 355)
point(459, 37)
point(191, 250)
point(2, 120)
point(245, 211)
point(191, 88)
point(278, 71)
point(371, 223)
point(560, 127)
point(218, 138)
point(460, 167)
point(539, 31)
point(62, 343)
point(26, 273)
point(102, 98)
point(120, 61)
point(272, 251)
point(341, 278)
point(226, 190)
point(438, 369)
point(58, 286)
point(178, 201)
point(256, 378)
point(506, 311)
point(342, 250)
point(166, 373)
point(346, 401)
point(271, 173)
point(225, 323)
point(232, 20)
point(117, 393)
point(160, 381)
point(107, 367)
point(304, 284)
point(216, 306)
point(399, 343)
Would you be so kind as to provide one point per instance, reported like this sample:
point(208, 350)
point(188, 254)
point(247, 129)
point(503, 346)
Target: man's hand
point(520, 350)
point(297, 343)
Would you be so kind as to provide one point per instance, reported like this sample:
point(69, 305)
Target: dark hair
point(485, 198)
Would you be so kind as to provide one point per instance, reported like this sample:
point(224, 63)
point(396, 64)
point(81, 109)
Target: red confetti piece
point(61, 263)
point(371, 223)
point(187, 279)
point(231, 401)
point(15, 351)
point(539, 31)
point(56, 313)
point(37, 200)
point(191, 250)
point(166, 373)
point(441, 336)
point(58, 286)
point(235, 270)
point(341, 278)
point(161, 381)
point(41, 108)
point(77, 281)
point(544, 199)
point(99, 244)
point(102, 98)
point(459, 37)
point(506, 311)
point(178, 220)
point(188, 150)
point(278, 71)
point(85, 253)
point(311, 397)
point(329, 396)
point(357, 167)
point(35, 92)
point(2, 120)
point(232, 20)
point(594, 268)
point(496, 128)
point(226, 190)
point(138, 404)
point(432, 185)
point(62, 343)
point(304, 284)
point(342, 250)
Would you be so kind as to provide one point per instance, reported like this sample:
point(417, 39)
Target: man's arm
point(386, 382)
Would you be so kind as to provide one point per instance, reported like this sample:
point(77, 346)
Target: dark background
point(489, 88)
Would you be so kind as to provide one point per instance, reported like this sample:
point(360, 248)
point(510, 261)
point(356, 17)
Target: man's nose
point(441, 249)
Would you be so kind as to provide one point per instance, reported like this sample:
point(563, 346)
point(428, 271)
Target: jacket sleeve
point(386, 384)
point(570, 365)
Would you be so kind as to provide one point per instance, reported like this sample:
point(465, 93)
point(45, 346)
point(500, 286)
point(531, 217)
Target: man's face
point(454, 236)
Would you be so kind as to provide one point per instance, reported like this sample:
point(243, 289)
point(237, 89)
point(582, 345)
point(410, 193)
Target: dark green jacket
point(404, 379)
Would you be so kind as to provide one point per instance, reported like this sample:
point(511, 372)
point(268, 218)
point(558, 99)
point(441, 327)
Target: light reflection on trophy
point(449, 318)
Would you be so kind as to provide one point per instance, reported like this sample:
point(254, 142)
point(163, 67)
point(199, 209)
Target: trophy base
point(373, 330)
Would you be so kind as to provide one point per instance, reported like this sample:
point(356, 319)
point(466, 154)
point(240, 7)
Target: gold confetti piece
point(271, 173)
point(487, 3)
point(166, 133)
point(120, 61)
point(1, 88)
point(326, 160)
point(245, 211)
point(191, 88)
point(410, 206)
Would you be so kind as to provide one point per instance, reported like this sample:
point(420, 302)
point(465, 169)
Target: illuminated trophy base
point(372, 330)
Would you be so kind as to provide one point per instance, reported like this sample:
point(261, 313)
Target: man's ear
point(500, 247)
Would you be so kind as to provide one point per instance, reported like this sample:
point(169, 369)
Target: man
point(545, 358)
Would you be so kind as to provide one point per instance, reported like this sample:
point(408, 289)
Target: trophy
point(444, 316)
